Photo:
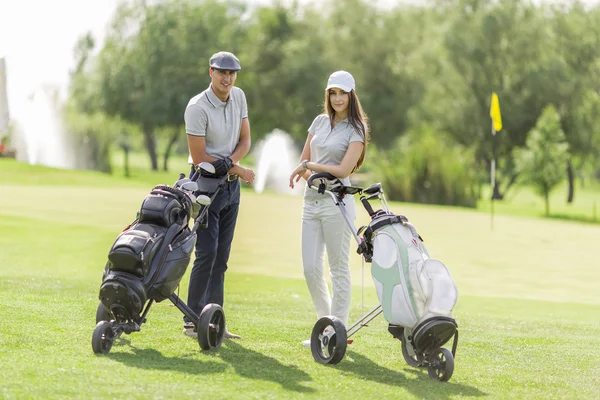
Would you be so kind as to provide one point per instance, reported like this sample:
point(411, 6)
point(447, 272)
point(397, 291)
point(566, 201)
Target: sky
point(37, 39)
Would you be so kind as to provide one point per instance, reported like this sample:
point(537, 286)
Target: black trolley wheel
point(441, 365)
point(328, 340)
point(103, 337)
point(211, 327)
point(413, 360)
point(102, 313)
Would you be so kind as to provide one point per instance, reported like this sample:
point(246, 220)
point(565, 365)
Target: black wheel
point(103, 337)
point(102, 313)
point(441, 365)
point(328, 340)
point(413, 360)
point(211, 327)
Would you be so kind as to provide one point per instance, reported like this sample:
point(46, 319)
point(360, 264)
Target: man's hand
point(222, 166)
point(246, 174)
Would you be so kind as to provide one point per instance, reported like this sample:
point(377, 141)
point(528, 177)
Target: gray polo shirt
point(219, 122)
point(329, 146)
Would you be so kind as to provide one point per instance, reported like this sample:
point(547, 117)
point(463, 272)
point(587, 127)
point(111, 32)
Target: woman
point(336, 144)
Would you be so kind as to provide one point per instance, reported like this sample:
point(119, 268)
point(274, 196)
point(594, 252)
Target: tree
point(577, 38)
point(543, 161)
point(156, 58)
point(287, 67)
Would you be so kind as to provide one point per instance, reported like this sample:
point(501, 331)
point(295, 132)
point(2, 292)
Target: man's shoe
point(306, 343)
point(229, 335)
point(190, 332)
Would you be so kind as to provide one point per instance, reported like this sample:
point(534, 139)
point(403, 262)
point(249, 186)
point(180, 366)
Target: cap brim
point(343, 87)
point(225, 69)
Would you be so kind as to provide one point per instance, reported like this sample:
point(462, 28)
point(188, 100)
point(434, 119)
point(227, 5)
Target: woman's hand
point(297, 174)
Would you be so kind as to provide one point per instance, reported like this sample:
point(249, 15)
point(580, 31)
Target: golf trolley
point(423, 334)
point(149, 258)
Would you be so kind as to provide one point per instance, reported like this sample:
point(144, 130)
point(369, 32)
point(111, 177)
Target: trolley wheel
point(328, 340)
point(102, 313)
point(211, 327)
point(103, 337)
point(413, 360)
point(441, 365)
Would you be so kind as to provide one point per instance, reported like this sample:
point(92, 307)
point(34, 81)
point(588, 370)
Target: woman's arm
point(295, 177)
point(345, 168)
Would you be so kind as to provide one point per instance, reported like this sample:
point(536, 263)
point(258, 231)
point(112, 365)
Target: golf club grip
point(367, 206)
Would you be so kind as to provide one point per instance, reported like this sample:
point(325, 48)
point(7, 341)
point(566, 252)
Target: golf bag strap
point(389, 221)
point(178, 195)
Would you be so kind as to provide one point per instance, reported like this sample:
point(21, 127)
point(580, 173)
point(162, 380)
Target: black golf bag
point(149, 258)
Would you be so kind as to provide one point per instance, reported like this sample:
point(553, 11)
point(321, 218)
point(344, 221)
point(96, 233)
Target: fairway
point(528, 308)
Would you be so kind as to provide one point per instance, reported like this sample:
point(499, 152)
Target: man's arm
point(243, 146)
point(195, 126)
point(197, 145)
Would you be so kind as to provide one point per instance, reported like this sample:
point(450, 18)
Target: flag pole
point(493, 175)
point(496, 126)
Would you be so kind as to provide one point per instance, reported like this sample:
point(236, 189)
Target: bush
point(93, 135)
point(426, 167)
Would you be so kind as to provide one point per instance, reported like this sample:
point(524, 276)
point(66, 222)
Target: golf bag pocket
point(131, 252)
point(167, 276)
point(160, 210)
point(123, 294)
point(207, 185)
point(389, 270)
point(443, 293)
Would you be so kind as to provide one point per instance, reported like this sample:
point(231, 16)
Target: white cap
point(342, 80)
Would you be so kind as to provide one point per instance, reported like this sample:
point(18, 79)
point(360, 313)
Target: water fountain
point(36, 126)
point(4, 116)
point(276, 158)
point(40, 137)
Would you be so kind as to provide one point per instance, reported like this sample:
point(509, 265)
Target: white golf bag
point(411, 286)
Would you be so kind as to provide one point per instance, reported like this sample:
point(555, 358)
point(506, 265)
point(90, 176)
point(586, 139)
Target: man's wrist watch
point(304, 164)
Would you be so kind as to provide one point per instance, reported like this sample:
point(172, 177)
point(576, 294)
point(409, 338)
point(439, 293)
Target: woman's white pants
point(324, 228)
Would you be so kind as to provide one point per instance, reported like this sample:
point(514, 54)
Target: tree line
point(424, 74)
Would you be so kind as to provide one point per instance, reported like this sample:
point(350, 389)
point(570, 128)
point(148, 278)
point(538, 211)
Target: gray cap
point(226, 61)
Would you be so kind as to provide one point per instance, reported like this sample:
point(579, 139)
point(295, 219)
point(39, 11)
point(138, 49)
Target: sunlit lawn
point(528, 310)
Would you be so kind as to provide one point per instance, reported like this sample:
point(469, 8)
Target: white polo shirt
point(219, 122)
point(329, 146)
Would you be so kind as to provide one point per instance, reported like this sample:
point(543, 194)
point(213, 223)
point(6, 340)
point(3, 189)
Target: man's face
point(222, 80)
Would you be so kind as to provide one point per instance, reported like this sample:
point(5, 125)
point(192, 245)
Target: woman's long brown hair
point(357, 118)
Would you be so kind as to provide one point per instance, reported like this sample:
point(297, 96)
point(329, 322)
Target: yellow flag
point(495, 113)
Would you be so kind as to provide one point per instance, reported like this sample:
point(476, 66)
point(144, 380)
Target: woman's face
point(339, 99)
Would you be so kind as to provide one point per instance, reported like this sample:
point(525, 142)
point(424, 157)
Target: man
point(218, 131)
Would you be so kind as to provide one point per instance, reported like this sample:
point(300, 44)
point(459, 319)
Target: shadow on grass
point(153, 359)
point(575, 218)
point(424, 387)
point(254, 365)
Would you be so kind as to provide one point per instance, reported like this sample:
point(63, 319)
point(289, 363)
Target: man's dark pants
point(213, 244)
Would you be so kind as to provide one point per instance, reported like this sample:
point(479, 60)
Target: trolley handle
point(322, 178)
point(367, 205)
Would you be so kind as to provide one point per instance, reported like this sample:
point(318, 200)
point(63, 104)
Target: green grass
point(528, 309)
point(522, 201)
